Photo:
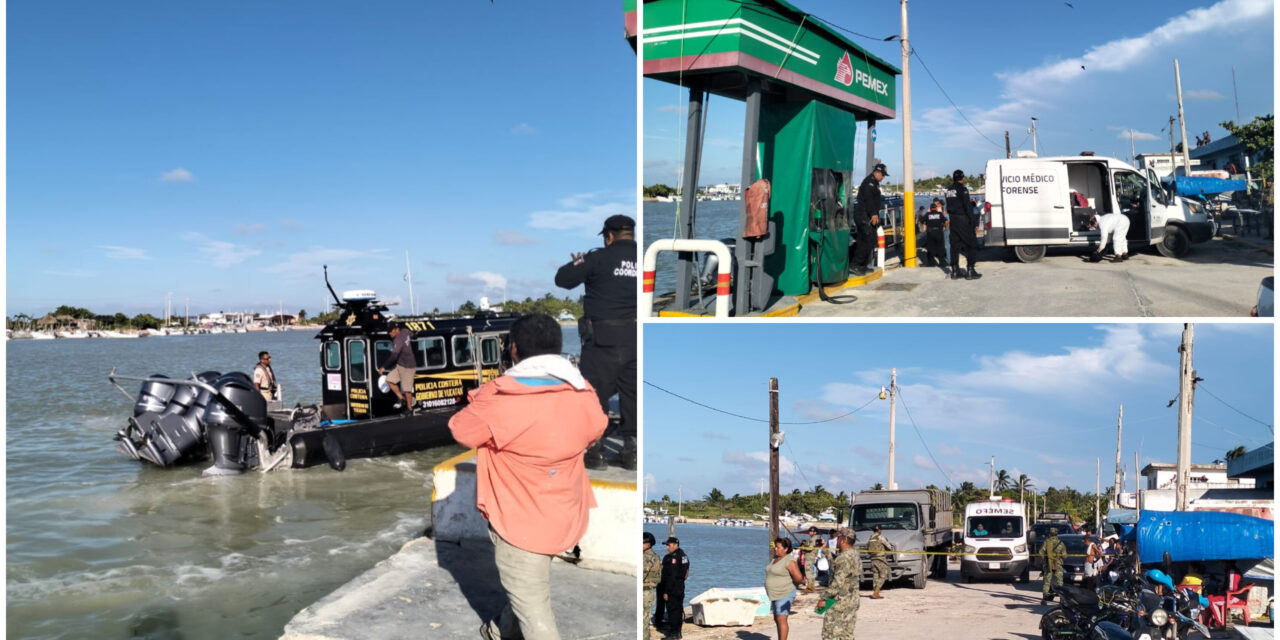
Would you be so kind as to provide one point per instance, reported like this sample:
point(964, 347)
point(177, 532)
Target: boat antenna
point(326, 283)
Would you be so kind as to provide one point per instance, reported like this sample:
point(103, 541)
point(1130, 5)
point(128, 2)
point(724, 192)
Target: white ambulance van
point(995, 541)
point(1036, 203)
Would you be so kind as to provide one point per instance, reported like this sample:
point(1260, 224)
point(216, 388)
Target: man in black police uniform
point(964, 228)
point(608, 327)
point(675, 570)
point(935, 224)
point(866, 217)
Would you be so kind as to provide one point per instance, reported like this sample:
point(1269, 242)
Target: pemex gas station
point(806, 89)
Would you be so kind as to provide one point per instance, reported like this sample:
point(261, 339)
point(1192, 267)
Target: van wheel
point(1176, 242)
point(1029, 253)
point(919, 580)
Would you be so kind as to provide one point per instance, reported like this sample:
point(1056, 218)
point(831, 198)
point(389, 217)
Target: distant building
point(1213, 487)
point(1224, 154)
point(1162, 164)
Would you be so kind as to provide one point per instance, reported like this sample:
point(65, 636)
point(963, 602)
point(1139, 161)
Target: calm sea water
point(728, 557)
point(100, 546)
point(716, 220)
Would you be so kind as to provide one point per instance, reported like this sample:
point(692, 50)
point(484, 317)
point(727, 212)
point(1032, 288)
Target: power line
point(1201, 387)
point(921, 436)
point(953, 103)
point(738, 415)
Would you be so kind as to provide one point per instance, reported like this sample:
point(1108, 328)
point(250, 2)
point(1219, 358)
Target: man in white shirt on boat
point(264, 378)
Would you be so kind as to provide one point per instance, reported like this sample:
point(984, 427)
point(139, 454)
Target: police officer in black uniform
point(964, 231)
point(675, 569)
point(935, 224)
point(866, 217)
point(608, 327)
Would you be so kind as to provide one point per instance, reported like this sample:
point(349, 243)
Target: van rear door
point(1034, 203)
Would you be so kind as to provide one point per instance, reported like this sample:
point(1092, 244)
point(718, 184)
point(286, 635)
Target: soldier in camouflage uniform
point(811, 547)
point(652, 575)
point(1053, 553)
point(877, 546)
point(846, 571)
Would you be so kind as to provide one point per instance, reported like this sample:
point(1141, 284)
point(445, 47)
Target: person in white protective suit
point(1116, 226)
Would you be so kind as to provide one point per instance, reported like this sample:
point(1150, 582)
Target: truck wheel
point(1029, 253)
point(1176, 242)
point(919, 579)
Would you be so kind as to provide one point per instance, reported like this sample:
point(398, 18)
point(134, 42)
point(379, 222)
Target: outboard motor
point(231, 436)
point(153, 398)
point(178, 432)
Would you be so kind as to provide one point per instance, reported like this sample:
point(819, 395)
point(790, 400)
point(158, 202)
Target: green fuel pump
point(808, 157)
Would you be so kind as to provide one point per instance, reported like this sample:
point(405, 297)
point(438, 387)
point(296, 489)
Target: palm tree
point(1235, 453)
point(1003, 480)
point(1023, 484)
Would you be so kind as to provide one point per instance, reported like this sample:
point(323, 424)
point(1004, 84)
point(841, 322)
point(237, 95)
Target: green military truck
point(913, 521)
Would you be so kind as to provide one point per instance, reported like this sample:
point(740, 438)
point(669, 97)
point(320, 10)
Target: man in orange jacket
point(530, 427)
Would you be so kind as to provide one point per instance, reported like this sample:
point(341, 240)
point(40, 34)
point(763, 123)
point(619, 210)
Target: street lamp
point(1032, 131)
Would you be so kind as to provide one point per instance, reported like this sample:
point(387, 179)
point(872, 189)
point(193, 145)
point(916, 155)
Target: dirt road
point(950, 609)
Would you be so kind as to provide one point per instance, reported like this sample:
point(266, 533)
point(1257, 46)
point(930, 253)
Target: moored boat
point(224, 417)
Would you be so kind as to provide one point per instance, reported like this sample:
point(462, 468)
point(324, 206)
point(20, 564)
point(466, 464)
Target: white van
point(1036, 206)
point(995, 541)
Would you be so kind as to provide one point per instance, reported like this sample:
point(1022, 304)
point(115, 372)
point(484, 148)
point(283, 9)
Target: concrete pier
point(446, 585)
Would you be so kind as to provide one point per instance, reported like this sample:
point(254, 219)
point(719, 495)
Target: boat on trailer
point(224, 417)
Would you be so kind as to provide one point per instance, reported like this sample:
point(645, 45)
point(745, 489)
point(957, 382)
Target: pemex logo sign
point(844, 70)
point(847, 76)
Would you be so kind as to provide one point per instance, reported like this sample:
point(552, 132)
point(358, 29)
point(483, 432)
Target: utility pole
point(1137, 503)
point(1132, 151)
point(408, 277)
point(893, 403)
point(1115, 500)
point(908, 182)
point(775, 441)
point(1236, 96)
point(680, 503)
point(1173, 164)
point(1097, 490)
point(991, 478)
point(1008, 152)
point(1034, 148)
point(1182, 119)
point(186, 320)
point(1186, 398)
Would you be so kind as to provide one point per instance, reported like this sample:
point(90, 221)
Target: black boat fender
point(333, 453)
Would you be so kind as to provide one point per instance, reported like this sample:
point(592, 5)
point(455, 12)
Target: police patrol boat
point(224, 416)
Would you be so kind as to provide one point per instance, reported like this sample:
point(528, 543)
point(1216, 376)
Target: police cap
point(880, 167)
point(672, 540)
point(617, 223)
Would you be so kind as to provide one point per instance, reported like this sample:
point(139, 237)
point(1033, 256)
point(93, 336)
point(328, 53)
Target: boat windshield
point(888, 516)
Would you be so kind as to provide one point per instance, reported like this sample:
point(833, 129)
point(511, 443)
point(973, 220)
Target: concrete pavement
point(1218, 278)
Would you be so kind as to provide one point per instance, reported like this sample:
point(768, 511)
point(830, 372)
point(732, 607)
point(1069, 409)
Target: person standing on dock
point(264, 377)
point(607, 327)
point(877, 546)
point(811, 550)
point(964, 228)
point(1054, 553)
point(402, 364)
point(652, 576)
point(840, 618)
point(675, 570)
point(935, 225)
point(866, 217)
point(529, 427)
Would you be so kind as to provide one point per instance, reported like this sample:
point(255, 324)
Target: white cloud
point(948, 450)
point(290, 224)
point(673, 108)
point(1138, 136)
point(813, 411)
point(485, 280)
point(70, 273)
point(758, 460)
point(921, 462)
point(1203, 95)
point(242, 229)
point(875, 456)
point(582, 211)
point(523, 129)
point(310, 264)
point(512, 237)
point(218, 253)
point(1125, 53)
point(1079, 370)
point(124, 253)
point(177, 175)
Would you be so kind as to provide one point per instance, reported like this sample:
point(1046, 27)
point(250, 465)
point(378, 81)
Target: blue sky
point(1041, 398)
point(1003, 62)
point(224, 151)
